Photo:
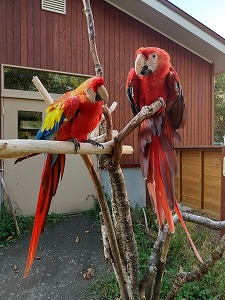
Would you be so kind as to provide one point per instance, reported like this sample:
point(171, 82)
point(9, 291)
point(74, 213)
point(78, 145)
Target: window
point(29, 123)
point(17, 78)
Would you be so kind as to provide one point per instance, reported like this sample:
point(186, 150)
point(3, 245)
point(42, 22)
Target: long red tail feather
point(159, 169)
point(177, 210)
point(49, 182)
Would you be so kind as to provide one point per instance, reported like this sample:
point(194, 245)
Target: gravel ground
point(65, 252)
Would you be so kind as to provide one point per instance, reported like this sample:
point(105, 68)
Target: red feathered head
point(152, 60)
point(96, 83)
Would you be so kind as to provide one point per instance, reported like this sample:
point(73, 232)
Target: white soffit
point(178, 26)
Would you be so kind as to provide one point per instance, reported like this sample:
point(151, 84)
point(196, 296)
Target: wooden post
point(222, 207)
point(202, 178)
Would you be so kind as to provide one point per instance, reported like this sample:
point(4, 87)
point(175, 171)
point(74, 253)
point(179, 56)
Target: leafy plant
point(95, 210)
point(180, 258)
point(219, 100)
point(8, 231)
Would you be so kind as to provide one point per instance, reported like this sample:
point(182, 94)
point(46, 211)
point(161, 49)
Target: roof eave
point(169, 20)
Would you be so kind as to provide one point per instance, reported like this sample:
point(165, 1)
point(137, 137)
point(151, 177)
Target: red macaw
point(72, 117)
point(154, 77)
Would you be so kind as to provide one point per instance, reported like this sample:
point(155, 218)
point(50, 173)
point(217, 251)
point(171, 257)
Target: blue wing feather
point(47, 134)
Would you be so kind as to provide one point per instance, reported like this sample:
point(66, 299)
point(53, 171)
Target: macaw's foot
point(95, 143)
point(76, 144)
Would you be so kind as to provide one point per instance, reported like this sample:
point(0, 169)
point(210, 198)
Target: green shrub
point(8, 231)
point(180, 257)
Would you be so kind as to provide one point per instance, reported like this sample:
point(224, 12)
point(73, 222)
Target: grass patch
point(93, 212)
point(180, 257)
point(8, 232)
point(105, 288)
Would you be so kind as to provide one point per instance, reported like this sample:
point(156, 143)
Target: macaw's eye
point(153, 55)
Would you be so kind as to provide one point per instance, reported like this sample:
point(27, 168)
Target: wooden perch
point(17, 148)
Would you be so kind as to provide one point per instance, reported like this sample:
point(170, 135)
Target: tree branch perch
point(17, 148)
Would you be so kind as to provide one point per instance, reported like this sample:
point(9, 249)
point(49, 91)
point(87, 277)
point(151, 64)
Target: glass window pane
point(29, 123)
point(21, 79)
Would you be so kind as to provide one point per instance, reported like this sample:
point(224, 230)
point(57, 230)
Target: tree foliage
point(219, 101)
point(21, 79)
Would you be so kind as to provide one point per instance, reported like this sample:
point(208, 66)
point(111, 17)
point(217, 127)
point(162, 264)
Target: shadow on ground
point(58, 274)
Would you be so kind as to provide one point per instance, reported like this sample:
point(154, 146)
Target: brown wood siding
point(198, 182)
point(40, 39)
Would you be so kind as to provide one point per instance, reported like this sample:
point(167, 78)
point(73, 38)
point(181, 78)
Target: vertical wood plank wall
point(199, 180)
point(35, 38)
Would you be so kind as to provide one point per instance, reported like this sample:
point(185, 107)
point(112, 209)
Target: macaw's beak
point(141, 66)
point(98, 97)
point(145, 71)
point(101, 94)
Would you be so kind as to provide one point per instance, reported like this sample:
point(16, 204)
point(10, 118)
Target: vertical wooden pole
point(178, 191)
point(202, 178)
point(222, 207)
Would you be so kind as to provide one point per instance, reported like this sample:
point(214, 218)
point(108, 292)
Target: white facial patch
point(139, 63)
point(152, 61)
point(90, 94)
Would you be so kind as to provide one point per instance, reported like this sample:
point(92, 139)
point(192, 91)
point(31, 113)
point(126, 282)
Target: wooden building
point(34, 37)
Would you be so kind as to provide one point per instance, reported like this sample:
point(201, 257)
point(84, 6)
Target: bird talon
point(76, 144)
point(95, 143)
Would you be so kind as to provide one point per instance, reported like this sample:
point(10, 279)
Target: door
point(21, 119)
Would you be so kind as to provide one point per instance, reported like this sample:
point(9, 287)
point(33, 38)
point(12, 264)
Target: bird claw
point(76, 144)
point(95, 143)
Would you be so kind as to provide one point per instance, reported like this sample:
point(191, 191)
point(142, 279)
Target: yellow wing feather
point(53, 115)
point(54, 111)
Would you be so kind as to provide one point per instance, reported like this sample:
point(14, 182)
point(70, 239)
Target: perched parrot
point(72, 117)
point(154, 77)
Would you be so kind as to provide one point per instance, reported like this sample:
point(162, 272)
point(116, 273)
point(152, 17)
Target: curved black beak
point(98, 97)
point(145, 71)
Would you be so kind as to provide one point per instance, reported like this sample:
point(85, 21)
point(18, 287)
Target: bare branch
point(8, 199)
point(206, 222)
point(109, 225)
point(18, 148)
point(105, 240)
point(121, 209)
point(162, 263)
point(108, 122)
point(102, 138)
point(91, 37)
point(148, 279)
point(42, 90)
point(146, 223)
point(144, 114)
point(152, 278)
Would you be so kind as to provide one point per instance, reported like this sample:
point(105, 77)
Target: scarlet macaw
point(72, 117)
point(154, 77)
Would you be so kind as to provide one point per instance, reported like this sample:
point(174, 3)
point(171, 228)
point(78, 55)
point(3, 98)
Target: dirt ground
point(66, 251)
